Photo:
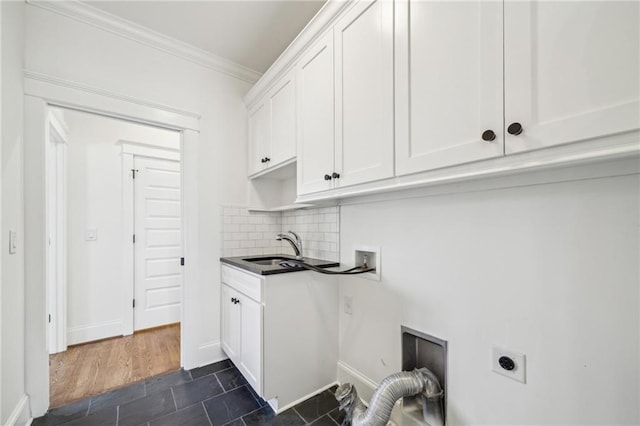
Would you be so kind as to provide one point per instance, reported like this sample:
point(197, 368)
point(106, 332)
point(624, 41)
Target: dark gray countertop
point(239, 262)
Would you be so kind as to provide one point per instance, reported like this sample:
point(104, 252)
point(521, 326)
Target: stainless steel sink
point(267, 260)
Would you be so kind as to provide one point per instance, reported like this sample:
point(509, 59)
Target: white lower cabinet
point(281, 332)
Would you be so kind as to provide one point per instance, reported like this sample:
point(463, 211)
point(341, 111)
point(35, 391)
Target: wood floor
point(93, 368)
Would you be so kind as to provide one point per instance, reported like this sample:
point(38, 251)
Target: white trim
point(316, 28)
point(189, 172)
point(128, 248)
point(148, 150)
point(74, 95)
point(90, 15)
point(20, 413)
point(273, 403)
point(35, 231)
point(57, 248)
point(598, 150)
point(210, 352)
point(347, 374)
point(88, 333)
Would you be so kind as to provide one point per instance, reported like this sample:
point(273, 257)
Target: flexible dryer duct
point(392, 388)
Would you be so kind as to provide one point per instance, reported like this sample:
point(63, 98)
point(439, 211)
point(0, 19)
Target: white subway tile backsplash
point(256, 219)
point(240, 219)
point(247, 232)
point(247, 228)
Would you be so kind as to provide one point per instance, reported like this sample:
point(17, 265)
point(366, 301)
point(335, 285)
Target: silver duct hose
point(392, 388)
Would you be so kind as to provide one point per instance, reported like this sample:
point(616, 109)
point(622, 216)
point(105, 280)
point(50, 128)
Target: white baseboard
point(20, 414)
point(209, 353)
point(88, 333)
point(274, 402)
point(364, 385)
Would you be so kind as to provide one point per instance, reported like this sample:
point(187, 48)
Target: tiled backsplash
point(248, 233)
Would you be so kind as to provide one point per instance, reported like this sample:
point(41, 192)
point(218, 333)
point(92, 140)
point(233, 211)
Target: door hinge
point(134, 238)
point(182, 261)
point(134, 303)
point(49, 318)
point(133, 173)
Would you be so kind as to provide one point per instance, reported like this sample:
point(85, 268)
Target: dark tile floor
point(213, 395)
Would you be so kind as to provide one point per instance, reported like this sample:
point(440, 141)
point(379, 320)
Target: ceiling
point(251, 33)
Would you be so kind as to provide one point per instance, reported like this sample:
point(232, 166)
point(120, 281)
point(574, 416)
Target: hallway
point(97, 367)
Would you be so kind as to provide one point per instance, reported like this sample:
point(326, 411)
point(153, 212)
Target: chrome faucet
point(297, 244)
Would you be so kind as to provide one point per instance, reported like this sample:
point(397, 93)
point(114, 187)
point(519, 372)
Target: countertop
point(239, 262)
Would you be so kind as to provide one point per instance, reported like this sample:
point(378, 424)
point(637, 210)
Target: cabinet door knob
point(267, 159)
point(488, 135)
point(514, 129)
point(327, 177)
point(233, 300)
point(335, 175)
point(262, 160)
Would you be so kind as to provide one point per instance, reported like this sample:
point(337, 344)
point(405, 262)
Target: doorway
point(122, 241)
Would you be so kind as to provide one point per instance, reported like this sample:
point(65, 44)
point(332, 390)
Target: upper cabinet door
point(315, 117)
point(571, 71)
point(259, 137)
point(364, 93)
point(282, 101)
point(448, 83)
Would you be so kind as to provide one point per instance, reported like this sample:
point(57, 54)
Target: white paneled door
point(158, 278)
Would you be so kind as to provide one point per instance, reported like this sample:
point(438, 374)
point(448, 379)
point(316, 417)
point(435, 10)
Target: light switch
point(13, 241)
point(91, 234)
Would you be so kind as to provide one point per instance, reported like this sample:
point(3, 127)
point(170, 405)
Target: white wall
point(12, 371)
point(75, 51)
point(547, 270)
point(96, 275)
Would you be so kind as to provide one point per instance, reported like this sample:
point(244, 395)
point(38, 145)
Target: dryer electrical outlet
point(508, 363)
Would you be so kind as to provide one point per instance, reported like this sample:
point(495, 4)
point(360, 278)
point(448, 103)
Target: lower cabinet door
point(251, 341)
point(230, 323)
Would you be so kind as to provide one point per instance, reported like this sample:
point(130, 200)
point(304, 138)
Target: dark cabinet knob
point(488, 135)
point(267, 159)
point(514, 129)
point(335, 175)
point(327, 177)
point(233, 300)
point(262, 160)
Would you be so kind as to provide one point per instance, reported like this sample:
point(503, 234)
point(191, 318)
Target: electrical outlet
point(348, 305)
point(508, 363)
point(91, 234)
point(13, 241)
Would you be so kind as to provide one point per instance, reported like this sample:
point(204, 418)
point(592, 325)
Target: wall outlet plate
point(13, 241)
point(348, 305)
point(508, 363)
point(91, 234)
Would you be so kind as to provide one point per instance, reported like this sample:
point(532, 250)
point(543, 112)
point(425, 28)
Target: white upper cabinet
point(571, 71)
point(364, 93)
point(448, 83)
point(272, 127)
point(259, 137)
point(282, 99)
point(315, 116)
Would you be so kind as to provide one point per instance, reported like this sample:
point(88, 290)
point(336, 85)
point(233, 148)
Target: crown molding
point(95, 17)
point(321, 22)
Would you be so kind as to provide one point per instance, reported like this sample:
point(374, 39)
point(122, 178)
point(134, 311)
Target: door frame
point(57, 247)
point(41, 92)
